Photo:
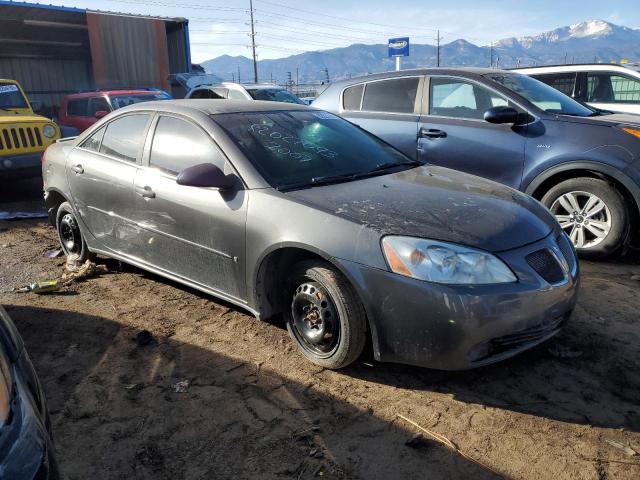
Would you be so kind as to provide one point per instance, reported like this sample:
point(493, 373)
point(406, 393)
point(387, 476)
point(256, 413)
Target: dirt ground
point(252, 407)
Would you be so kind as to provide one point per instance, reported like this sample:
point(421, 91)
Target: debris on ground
point(46, 286)
point(627, 450)
point(77, 273)
point(181, 387)
point(449, 444)
point(56, 252)
point(144, 337)
point(316, 453)
point(561, 351)
point(134, 387)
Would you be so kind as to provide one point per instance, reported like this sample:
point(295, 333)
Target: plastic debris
point(46, 286)
point(627, 450)
point(181, 387)
point(134, 387)
point(144, 337)
point(56, 252)
point(560, 351)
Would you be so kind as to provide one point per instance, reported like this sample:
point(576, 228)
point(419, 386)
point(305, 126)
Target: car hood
point(439, 204)
point(606, 120)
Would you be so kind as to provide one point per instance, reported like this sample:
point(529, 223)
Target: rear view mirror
point(101, 114)
point(502, 115)
point(205, 175)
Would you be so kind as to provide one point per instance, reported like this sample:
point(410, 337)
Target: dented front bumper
point(457, 327)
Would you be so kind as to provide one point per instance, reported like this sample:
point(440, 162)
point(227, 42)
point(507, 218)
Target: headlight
point(49, 131)
point(441, 262)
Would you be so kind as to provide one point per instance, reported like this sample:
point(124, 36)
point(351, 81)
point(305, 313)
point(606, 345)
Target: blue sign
point(399, 47)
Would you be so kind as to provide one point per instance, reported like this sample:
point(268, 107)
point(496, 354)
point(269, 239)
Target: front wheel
point(592, 213)
point(325, 318)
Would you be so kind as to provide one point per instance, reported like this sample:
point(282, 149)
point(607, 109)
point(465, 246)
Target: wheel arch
point(554, 175)
point(53, 199)
point(273, 266)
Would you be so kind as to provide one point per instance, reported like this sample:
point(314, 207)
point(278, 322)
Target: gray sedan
point(285, 210)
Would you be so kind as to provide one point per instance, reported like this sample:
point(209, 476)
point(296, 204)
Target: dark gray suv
point(583, 164)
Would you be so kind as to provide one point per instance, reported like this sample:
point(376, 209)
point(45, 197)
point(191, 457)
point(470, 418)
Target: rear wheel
point(325, 318)
point(71, 239)
point(592, 213)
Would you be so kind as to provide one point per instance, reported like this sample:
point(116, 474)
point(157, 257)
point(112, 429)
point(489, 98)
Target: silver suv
point(236, 91)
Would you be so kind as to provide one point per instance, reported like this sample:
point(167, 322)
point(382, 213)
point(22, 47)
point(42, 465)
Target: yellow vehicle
point(24, 136)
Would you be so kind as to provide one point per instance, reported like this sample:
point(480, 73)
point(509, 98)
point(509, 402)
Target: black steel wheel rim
point(70, 235)
point(314, 319)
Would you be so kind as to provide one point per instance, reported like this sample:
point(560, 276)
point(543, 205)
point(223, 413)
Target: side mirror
point(502, 115)
point(205, 175)
point(101, 114)
point(36, 106)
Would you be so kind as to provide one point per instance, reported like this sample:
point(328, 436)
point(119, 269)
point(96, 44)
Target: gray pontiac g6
point(285, 210)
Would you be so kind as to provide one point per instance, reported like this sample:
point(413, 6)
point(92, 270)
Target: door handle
point(77, 169)
point(146, 192)
point(432, 133)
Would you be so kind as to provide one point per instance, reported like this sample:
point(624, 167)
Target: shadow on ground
point(116, 413)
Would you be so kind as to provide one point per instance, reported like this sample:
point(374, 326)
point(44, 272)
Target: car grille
point(546, 265)
point(567, 251)
point(19, 138)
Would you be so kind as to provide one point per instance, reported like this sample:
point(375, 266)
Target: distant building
point(53, 51)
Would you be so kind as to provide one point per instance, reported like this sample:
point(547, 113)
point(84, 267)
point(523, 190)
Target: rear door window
point(396, 95)
point(124, 137)
point(93, 142)
point(603, 87)
point(564, 82)
point(352, 97)
point(179, 144)
point(77, 108)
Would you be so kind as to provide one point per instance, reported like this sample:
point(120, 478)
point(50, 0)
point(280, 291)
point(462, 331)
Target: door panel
point(454, 134)
point(195, 233)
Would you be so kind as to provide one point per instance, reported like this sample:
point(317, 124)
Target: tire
point(599, 226)
point(71, 239)
point(325, 317)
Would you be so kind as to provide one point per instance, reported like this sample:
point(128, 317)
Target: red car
point(81, 110)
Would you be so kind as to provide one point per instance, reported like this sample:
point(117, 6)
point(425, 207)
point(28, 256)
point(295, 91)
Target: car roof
point(582, 67)
point(464, 71)
point(210, 106)
point(102, 93)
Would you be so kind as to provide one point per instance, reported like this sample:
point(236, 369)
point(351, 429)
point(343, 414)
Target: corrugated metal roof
point(41, 11)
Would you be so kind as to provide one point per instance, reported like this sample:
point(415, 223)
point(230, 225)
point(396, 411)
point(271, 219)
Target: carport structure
point(53, 50)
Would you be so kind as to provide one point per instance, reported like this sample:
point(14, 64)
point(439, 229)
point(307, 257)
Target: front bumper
point(20, 166)
point(451, 327)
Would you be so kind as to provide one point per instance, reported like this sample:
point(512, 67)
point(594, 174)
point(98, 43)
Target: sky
point(289, 27)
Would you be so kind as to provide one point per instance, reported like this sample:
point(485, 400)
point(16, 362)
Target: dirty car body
point(298, 185)
point(26, 448)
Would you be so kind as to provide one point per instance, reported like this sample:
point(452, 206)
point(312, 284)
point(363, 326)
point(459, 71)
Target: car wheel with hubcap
point(325, 317)
point(70, 235)
point(592, 213)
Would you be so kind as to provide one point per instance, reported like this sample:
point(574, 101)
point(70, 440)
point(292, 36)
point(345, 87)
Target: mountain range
point(590, 41)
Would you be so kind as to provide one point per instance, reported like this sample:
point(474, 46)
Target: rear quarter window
point(352, 97)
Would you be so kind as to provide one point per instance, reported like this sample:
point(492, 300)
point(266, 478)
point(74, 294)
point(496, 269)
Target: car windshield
point(11, 96)
point(542, 95)
point(274, 95)
point(297, 148)
point(119, 101)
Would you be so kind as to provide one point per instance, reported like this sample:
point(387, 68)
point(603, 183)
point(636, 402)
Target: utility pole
point(233, 77)
point(239, 74)
point(271, 77)
point(326, 74)
point(289, 82)
point(565, 58)
point(438, 38)
point(253, 43)
point(491, 55)
point(297, 84)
